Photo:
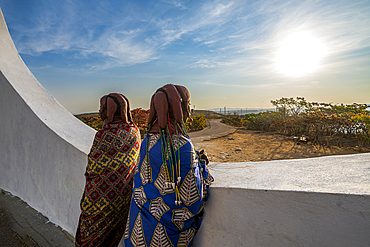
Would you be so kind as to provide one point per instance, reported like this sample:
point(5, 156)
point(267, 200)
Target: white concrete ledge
point(307, 202)
point(244, 217)
point(43, 147)
point(345, 174)
point(41, 102)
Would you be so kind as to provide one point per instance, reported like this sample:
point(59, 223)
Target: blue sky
point(227, 53)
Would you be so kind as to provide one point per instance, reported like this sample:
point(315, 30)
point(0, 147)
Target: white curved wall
point(42, 146)
point(311, 202)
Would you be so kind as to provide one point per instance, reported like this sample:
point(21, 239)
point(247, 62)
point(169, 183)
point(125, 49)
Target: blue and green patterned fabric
point(154, 218)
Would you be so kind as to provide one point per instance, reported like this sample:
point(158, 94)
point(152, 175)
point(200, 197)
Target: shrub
point(198, 123)
point(322, 123)
point(140, 118)
point(234, 120)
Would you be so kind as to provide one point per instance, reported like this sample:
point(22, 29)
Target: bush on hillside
point(198, 123)
point(322, 123)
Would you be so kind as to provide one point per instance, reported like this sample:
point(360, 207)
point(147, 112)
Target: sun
point(299, 54)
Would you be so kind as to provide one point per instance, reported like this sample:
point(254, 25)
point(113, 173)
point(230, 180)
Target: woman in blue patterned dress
point(171, 180)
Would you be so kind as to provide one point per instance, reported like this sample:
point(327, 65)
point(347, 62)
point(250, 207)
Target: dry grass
point(256, 146)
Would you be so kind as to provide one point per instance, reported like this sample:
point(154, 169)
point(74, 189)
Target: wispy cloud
point(206, 63)
point(238, 35)
point(176, 3)
point(113, 41)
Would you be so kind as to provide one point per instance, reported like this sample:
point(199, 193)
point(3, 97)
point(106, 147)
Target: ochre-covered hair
point(117, 108)
point(170, 101)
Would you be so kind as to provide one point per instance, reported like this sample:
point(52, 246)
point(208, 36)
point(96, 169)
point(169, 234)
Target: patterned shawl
point(109, 176)
point(156, 217)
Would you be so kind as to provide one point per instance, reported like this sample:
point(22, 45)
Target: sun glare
point(299, 54)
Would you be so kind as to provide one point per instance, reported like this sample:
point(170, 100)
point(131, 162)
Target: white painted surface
point(346, 174)
point(310, 202)
point(243, 217)
point(43, 148)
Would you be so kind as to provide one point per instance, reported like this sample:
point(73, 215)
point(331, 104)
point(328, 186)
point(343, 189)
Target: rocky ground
point(249, 146)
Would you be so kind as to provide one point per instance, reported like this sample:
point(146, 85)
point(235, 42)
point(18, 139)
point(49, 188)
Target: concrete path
point(21, 225)
point(215, 129)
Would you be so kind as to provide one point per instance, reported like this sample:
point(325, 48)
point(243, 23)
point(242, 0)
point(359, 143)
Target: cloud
point(237, 36)
point(251, 43)
point(79, 32)
point(175, 3)
point(206, 63)
point(220, 9)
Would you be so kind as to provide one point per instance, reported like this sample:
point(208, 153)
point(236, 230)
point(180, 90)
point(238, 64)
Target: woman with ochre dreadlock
point(171, 180)
point(109, 175)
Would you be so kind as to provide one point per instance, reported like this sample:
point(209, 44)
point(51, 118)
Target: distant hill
point(240, 111)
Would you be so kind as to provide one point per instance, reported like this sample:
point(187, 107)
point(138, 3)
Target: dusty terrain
point(246, 145)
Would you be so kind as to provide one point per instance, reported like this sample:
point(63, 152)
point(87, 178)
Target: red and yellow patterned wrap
point(109, 181)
